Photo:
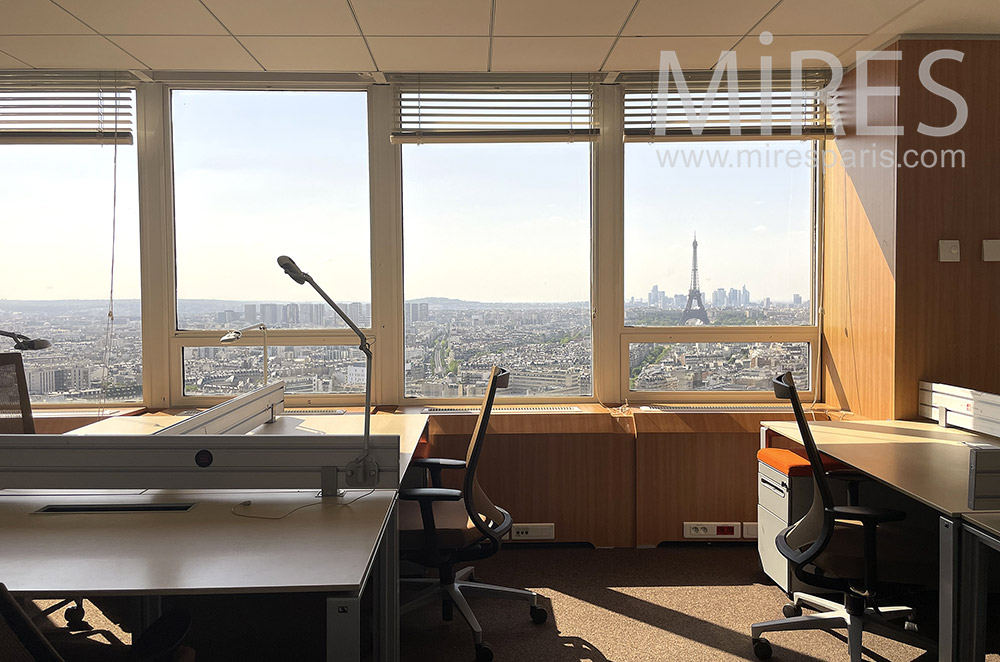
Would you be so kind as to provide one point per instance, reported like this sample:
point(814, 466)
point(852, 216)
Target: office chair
point(439, 528)
point(22, 641)
point(834, 547)
point(15, 418)
point(15, 406)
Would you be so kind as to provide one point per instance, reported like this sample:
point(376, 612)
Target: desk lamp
point(363, 472)
point(236, 334)
point(23, 342)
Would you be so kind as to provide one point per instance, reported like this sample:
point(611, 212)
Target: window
point(497, 268)
point(69, 204)
point(748, 205)
point(262, 174)
point(258, 174)
point(719, 238)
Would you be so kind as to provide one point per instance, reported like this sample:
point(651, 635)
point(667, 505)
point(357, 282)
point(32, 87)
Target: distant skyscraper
point(797, 299)
point(425, 314)
point(745, 297)
point(250, 312)
point(269, 313)
point(354, 311)
point(719, 298)
point(292, 313)
point(654, 296)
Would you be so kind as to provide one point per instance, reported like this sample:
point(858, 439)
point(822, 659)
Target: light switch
point(948, 251)
point(991, 250)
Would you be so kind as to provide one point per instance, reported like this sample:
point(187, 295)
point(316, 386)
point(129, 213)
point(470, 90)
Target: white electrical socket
point(750, 530)
point(716, 530)
point(544, 531)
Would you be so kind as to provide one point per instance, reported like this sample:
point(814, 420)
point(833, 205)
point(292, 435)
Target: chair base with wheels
point(853, 615)
point(453, 594)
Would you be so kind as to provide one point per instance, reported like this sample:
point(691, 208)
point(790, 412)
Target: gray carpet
point(678, 602)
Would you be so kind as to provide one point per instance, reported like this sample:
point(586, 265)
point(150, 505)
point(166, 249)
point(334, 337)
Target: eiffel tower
point(695, 309)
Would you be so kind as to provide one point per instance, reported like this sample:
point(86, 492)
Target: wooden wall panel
point(859, 258)
point(580, 477)
point(948, 314)
point(695, 467)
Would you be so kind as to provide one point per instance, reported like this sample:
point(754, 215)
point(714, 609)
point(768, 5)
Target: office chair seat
point(455, 529)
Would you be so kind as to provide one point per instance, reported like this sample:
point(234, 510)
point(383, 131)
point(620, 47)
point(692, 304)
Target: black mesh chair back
point(491, 521)
point(15, 407)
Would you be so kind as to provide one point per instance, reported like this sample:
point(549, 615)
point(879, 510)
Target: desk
point(980, 533)
point(328, 547)
point(922, 460)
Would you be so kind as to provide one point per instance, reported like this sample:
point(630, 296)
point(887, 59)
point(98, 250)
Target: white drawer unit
point(781, 500)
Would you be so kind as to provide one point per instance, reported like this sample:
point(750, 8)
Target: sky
point(261, 174)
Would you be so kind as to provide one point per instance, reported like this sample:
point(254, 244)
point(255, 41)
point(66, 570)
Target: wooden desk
point(923, 460)
point(330, 546)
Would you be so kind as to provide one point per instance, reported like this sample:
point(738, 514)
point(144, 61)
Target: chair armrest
point(429, 494)
point(866, 515)
point(434, 465)
point(853, 480)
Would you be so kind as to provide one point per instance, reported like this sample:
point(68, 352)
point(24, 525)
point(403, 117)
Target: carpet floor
point(680, 602)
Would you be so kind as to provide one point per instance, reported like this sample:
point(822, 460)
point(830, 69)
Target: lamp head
point(36, 343)
point(232, 336)
point(292, 269)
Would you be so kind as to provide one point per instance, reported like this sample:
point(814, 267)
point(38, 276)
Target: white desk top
point(324, 547)
point(922, 460)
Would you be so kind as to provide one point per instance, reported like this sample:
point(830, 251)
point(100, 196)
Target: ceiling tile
point(560, 17)
point(431, 54)
point(34, 17)
point(145, 16)
point(550, 53)
point(69, 52)
point(417, 18)
point(310, 53)
point(197, 53)
point(709, 17)
point(750, 50)
point(280, 17)
point(643, 53)
point(948, 17)
point(800, 17)
point(7, 62)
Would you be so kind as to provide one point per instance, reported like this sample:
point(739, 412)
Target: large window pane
point(497, 268)
point(232, 369)
point(750, 204)
point(716, 366)
point(258, 174)
point(56, 206)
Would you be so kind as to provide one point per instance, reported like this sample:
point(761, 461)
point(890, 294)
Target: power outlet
point(715, 530)
point(545, 531)
point(750, 530)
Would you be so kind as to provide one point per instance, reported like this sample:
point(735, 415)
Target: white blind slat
point(792, 108)
point(521, 111)
point(69, 108)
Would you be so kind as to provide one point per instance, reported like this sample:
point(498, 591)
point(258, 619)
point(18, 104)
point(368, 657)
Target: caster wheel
point(910, 626)
point(762, 649)
point(791, 610)
point(484, 653)
point(539, 615)
point(74, 620)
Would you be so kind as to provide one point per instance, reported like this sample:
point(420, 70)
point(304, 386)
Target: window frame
point(810, 334)
point(162, 343)
point(581, 136)
point(160, 270)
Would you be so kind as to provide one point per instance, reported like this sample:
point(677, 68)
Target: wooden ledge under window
point(63, 419)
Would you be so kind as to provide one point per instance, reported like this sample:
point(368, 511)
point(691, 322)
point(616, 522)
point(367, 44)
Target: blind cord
point(109, 332)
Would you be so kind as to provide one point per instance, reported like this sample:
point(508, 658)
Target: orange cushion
point(791, 463)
